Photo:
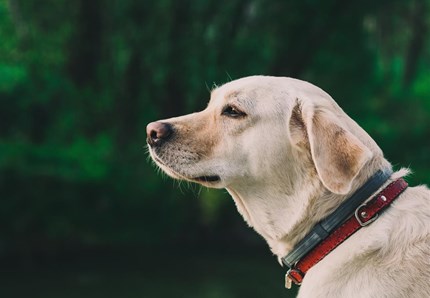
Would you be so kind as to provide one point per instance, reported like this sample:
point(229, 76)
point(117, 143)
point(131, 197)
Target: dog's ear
point(337, 154)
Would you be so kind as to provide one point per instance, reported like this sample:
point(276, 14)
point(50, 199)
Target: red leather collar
point(364, 215)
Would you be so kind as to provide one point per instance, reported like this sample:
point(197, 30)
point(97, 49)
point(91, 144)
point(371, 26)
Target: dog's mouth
point(205, 179)
point(210, 178)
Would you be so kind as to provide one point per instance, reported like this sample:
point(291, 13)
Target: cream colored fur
point(288, 163)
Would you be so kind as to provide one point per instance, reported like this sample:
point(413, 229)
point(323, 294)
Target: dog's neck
point(284, 215)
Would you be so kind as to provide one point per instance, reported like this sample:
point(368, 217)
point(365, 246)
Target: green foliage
point(79, 81)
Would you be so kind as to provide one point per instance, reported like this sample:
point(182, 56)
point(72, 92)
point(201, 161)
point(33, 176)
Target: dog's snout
point(158, 131)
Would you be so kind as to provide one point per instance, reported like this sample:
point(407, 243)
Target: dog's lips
point(200, 179)
point(157, 159)
point(208, 178)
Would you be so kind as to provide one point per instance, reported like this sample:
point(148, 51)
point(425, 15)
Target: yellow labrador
point(289, 156)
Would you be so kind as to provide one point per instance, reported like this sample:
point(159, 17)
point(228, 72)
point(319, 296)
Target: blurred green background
point(83, 211)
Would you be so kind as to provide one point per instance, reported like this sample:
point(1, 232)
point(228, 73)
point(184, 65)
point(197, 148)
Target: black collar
point(322, 229)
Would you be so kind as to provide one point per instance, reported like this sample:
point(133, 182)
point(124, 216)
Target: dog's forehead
point(259, 89)
point(246, 91)
point(242, 97)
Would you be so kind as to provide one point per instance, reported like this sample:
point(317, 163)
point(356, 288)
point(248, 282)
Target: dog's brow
point(240, 98)
point(232, 94)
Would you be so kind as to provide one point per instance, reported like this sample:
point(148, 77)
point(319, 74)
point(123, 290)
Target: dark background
point(83, 211)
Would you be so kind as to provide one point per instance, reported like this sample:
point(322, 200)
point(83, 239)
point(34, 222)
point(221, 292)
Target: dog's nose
point(158, 131)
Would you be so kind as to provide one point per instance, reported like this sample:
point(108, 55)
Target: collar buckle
point(293, 276)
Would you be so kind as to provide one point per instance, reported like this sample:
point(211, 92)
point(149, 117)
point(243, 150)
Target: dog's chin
point(209, 180)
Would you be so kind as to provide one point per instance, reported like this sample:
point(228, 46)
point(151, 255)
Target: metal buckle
point(357, 216)
point(289, 279)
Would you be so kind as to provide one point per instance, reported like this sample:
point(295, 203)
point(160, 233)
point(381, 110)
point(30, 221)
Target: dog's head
point(258, 128)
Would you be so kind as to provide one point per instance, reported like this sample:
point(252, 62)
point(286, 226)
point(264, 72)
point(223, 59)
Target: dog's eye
point(232, 112)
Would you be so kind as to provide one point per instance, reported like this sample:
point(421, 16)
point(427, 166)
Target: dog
point(290, 156)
